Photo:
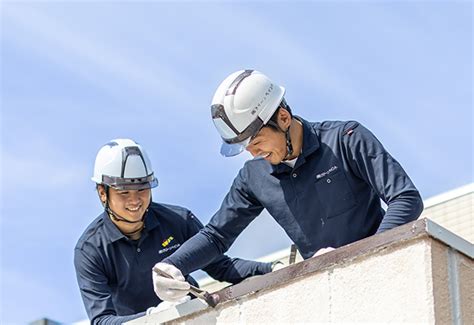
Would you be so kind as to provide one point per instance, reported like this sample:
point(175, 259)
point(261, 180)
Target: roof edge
point(411, 231)
point(449, 195)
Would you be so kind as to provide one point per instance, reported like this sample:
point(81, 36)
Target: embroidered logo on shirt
point(164, 250)
point(327, 172)
point(167, 241)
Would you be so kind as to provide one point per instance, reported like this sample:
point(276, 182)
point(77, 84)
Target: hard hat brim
point(233, 149)
point(135, 187)
point(129, 184)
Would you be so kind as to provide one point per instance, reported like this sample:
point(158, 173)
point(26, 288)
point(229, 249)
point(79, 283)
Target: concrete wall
point(211, 285)
point(454, 211)
point(418, 280)
point(403, 284)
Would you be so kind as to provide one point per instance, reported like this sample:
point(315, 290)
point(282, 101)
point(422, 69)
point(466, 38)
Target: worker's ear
point(102, 194)
point(284, 118)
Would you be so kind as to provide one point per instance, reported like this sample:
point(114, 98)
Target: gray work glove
point(169, 289)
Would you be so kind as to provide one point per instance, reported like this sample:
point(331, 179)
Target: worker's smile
point(130, 204)
point(135, 212)
point(135, 209)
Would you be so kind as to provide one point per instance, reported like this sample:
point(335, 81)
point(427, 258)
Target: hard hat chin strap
point(289, 145)
point(116, 216)
point(119, 218)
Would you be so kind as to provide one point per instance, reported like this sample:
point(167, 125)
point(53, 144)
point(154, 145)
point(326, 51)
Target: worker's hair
point(106, 188)
point(274, 118)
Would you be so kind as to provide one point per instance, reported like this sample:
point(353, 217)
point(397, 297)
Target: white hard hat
point(124, 165)
point(242, 104)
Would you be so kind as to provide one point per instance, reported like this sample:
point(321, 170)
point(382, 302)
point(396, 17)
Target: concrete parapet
point(418, 273)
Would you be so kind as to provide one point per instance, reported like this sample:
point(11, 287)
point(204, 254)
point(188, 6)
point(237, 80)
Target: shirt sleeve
point(95, 291)
point(224, 268)
point(370, 161)
point(238, 209)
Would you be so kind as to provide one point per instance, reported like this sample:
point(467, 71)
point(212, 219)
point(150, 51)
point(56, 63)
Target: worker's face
point(270, 143)
point(129, 204)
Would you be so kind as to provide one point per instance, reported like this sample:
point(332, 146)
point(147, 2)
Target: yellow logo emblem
point(167, 241)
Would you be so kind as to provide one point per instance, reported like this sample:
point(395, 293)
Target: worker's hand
point(169, 289)
point(323, 251)
point(166, 305)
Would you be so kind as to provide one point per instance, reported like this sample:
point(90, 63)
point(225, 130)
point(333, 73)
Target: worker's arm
point(238, 209)
point(95, 290)
point(224, 268)
point(370, 161)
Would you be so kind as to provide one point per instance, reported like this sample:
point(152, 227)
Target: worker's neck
point(296, 135)
point(131, 230)
point(135, 236)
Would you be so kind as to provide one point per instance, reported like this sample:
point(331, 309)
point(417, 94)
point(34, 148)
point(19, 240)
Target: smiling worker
point(323, 182)
point(114, 256)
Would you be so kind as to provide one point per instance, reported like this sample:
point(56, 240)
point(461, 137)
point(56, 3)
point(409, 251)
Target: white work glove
point(166, 305)
point(277, 266)
point(169, 289)
point(323, 251)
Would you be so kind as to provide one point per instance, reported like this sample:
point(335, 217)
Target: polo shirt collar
point(114, 234)
point(110, 229)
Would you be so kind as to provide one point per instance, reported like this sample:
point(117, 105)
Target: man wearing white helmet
point(322, 182)
point(115, 254)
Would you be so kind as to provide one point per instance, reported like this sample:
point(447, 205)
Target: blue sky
point(77, 74)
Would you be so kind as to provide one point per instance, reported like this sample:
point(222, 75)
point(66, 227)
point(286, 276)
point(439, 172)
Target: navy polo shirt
point(331, 197)
point(114, 272)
